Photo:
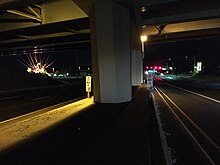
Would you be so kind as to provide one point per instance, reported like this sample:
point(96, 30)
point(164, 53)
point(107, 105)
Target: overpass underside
point(110, 28)
point(180, 20)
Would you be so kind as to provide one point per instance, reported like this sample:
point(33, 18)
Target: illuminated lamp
point(143, 40)
point(143, 9)
point(29, 70)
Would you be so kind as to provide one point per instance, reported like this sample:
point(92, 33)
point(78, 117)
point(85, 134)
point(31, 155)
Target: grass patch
point(205, 77)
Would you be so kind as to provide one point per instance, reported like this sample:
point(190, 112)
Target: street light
point(143, 40)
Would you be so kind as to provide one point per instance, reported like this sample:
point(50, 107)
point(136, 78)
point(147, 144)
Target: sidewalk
point(127, 141)
point(131, 140)
point(105, 134)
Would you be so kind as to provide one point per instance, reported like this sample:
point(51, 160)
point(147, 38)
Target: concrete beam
point(15, 4)
point(154, 2)
point(180, 11)
point(22, 14)
point(52, 12)
point(184, 36)
point(183, 27)
point(185, 17)
point(61, 10)
point(44, 36)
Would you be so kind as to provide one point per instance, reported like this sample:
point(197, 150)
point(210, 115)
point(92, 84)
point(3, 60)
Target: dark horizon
point(185, 52)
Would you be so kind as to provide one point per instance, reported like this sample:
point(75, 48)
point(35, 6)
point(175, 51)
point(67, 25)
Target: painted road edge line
point(189, 119)
point(198, 94)
point(187, 130)
point(166, 149)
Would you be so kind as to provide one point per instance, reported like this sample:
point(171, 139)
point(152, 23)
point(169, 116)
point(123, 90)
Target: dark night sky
point(207, 51)
point(156, 54)
point(62, 59)
point(204, 48)
point(80, 57)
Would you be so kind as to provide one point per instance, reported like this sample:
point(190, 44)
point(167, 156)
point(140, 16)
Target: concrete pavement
point(115, 134)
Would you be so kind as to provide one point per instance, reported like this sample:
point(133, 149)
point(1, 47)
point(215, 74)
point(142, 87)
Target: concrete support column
point(137, 67)
point(111, 52)
point(136, 55)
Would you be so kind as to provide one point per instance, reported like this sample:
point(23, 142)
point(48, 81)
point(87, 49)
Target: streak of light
point(36, 64)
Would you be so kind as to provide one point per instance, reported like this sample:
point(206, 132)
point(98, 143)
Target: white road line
point(41, 98)
point(198, 94)
point(7, 98)
point(166, 150)
point(187, 130)
point(175, 106)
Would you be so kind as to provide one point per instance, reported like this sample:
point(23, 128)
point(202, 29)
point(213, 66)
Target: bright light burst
point(36, 64)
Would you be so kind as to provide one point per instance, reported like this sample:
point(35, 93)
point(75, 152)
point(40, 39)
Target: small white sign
point(150, 82)
point(199, 66)
point(88, 83)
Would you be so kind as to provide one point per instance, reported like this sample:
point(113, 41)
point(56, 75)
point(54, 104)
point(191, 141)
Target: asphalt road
point(190, 121)
point(20, 102)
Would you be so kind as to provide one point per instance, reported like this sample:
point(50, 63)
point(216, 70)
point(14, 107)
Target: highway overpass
point(111, 28)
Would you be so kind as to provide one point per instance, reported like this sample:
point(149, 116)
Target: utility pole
point(194, 64)
point(172, 68)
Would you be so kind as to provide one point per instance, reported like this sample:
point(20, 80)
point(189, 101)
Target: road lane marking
point(41, 98)
point(7, 98)
point(185, 127)
point(166, 150)
point(190, 120)
point(198, 94)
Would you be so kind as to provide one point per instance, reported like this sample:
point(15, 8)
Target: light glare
point(36, 64)
point(143, 38)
